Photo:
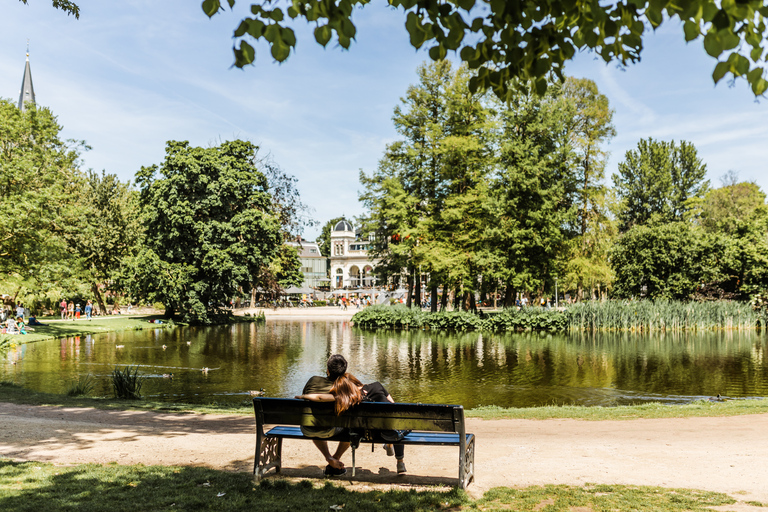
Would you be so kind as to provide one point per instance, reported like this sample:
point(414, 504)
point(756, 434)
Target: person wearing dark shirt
point(319, 385)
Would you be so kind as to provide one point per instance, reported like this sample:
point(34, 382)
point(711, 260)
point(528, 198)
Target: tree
point(210, 228)
point(39, 181)
point(725, 208)
point(664, 261)
point(528, 41)
point(107, 232)
point(534, 193)
point(65, 5)
point(659, 180)
point(590, 127)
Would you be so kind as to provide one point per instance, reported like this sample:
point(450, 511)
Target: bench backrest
point(367, 415)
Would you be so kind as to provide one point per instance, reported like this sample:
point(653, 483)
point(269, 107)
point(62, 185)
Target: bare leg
point(332, 461)
point(343, 447)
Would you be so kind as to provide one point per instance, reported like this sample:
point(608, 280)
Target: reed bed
point(612, 315)
point(662, 315)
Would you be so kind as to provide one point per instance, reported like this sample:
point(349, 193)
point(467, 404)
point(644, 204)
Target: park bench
point(429, 424)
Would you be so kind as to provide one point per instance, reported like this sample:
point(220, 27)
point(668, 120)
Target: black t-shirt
point(375, 392)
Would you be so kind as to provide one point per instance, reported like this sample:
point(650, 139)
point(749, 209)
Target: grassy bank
point(12, 393)
point(612, 315)
point(82, 327)
point(33, 486)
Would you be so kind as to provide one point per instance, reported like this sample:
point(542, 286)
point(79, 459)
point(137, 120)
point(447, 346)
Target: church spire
point(27, 94)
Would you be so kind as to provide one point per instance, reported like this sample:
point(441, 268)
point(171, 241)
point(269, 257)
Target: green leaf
point(256, 28)
point(729, 40)
point(739, 64)
point(654, 16)
point(211, 7)
point(276, 14)
point(712, 44)
point(720, 70)
point(280, 50)
point(754, 75)
point(437, 52)
point(415, 30)
point(244, 55)
point(691, 30)
point(756, 54)
point(759, 87)
point(721, 21)
point(272, 33)
point(242, 28)
point(323, 34)
point(288, 36)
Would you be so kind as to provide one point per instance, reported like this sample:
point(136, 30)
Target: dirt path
point(719, 454)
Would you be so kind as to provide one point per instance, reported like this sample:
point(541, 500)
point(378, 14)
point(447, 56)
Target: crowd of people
point(346, 391)
point(11, 323)
point(73, 311)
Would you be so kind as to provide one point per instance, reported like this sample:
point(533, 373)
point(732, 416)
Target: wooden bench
point(430, 424)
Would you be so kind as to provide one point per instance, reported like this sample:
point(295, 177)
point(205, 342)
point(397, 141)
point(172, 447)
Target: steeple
point(27, 94)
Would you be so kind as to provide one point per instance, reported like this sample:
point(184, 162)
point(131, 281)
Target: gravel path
point(719, 454)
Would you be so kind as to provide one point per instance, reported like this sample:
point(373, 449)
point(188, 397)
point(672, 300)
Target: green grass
point(35, 486)
point(13, 393)
point(55, 330)
point(700, 408)
point(553, 498)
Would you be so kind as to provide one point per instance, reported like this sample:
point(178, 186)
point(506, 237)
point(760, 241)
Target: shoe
point(332, 471)
point(389, 449)
point(401, 467)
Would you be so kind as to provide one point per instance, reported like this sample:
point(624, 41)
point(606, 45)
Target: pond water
point(510, 370)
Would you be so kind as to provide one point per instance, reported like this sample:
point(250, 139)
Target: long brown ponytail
point(346, 389)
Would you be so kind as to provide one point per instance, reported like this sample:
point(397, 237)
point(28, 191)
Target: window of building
point(339, 271)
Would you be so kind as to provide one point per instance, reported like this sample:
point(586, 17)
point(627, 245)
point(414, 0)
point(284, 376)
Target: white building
point(350, 265)
point(314, 265)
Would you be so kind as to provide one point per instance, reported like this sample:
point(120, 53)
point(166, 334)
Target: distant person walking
point(88, 309)
point(71, 310)
point(63, 307)
point(77, 311)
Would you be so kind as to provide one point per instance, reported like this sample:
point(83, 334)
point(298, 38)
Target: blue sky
point(128, 76)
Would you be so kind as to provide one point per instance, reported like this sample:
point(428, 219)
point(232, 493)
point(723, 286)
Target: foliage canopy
point(528, 41)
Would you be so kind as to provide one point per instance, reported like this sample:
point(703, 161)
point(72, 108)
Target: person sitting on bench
point(347, 391)
point(317, 385)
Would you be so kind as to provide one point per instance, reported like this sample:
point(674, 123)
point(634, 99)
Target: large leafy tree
point(527, 41)
point(534, 192)
point(39, 181)
point(664, 260)
point(107, 231)
point(210, 228)
point(589, 129)
point(659, 181)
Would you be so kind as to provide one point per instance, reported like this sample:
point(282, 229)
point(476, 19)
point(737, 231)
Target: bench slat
point(434, 438)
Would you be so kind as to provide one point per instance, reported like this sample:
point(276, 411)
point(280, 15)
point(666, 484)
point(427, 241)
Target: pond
point(509, 370)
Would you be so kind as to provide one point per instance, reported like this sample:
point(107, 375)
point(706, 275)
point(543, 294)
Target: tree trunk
point(410, 289)
point(472, 303)
point(253, 296)
point(433, 296)
point(444, 299)
point(417, 292)
point(99, 298)
point(457, 299)
point(509, 296)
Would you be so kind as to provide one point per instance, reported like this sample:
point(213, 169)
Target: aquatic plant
point(127, 383)
point(83, 386)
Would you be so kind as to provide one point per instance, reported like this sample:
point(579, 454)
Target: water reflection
point(471, 369)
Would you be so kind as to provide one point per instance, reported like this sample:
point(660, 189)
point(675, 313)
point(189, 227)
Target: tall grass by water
point(662, 315)
point(612, 315)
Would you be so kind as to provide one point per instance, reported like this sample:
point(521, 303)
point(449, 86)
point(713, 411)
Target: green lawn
point(36, 486)
point(61, 329)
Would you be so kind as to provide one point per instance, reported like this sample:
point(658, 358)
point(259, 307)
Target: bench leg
point(353, 461)
point(467, 465)
point(269, 456)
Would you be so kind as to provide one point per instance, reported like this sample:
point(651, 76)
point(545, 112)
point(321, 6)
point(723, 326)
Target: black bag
point(394, 436)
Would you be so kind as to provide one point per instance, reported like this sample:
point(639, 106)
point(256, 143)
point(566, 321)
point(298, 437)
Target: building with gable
point(351, 266)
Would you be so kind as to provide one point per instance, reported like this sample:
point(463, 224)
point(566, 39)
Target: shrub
point(82, 387)
point(127, 383)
